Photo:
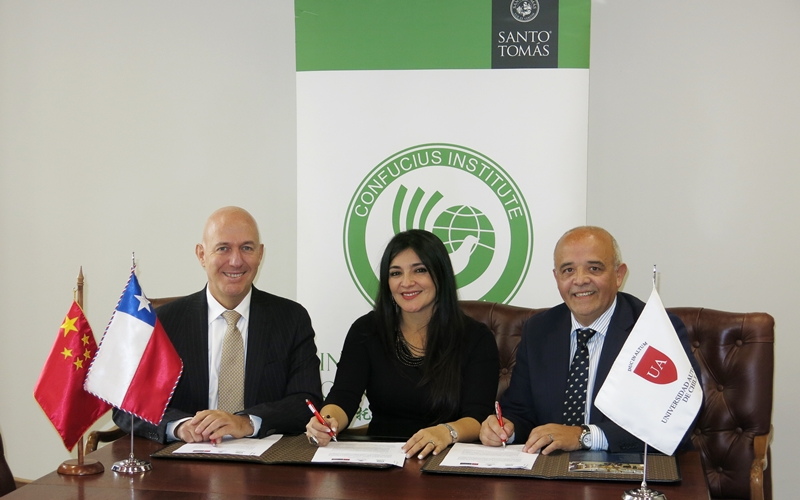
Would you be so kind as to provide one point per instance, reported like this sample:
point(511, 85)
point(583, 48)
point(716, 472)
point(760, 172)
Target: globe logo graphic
point(469, 238)
point(487, 228)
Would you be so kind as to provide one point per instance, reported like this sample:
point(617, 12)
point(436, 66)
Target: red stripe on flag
point(155, 379)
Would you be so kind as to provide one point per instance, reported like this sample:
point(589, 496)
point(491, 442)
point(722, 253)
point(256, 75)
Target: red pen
point(499, 413)
point(320, 419)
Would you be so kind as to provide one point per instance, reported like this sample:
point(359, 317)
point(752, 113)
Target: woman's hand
point(317, 433)
point(429, 440)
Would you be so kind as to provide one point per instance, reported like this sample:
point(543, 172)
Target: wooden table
point(178, 479)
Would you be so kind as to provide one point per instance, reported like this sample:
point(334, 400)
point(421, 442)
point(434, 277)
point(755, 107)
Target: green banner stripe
point(392, 34)
point(574, 22)
point(417, 34)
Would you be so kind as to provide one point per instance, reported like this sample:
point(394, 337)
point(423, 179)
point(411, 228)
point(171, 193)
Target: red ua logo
point(656, 367)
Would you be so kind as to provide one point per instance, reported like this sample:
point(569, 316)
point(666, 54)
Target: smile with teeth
point(583, 294)
point(410, 295)
point(233, 275)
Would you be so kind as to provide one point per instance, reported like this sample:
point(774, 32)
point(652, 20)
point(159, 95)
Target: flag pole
point(81, 466)
point(132, 465)
point(645, 493)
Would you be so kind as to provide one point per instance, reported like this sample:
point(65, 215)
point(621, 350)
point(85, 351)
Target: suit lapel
point(559, 363)
point(196, 335)
point(618, 329)
point(257, 344)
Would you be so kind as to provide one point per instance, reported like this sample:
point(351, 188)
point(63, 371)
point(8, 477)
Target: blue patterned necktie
point(578, 381)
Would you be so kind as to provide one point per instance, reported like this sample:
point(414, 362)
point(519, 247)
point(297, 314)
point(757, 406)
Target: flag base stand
point(131, 465)
point(643, 494)
point(73, 467)
point(80, 466)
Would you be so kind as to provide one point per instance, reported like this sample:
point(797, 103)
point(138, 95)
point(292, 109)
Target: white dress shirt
point(595, 345)
point(217, 326)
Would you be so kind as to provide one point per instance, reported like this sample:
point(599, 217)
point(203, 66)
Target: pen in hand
point(320, 419)
point(499, 413)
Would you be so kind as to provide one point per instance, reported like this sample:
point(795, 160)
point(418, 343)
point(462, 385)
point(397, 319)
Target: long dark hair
point(441, 369)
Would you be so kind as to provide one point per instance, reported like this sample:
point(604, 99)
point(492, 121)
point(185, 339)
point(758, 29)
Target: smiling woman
point(429, 371)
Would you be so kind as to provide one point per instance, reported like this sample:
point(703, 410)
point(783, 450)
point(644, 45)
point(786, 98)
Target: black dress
point(399, 405)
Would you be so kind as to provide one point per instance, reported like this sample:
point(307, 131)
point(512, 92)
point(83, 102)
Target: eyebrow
point(249, 242)
point(591, 262)
point(416, 264)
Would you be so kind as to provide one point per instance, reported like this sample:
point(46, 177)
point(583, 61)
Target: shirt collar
point(215, 309)
point(600, 325)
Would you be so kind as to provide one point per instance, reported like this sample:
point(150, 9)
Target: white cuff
point(599, 441)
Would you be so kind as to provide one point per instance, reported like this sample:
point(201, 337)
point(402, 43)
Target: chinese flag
point(59, 390)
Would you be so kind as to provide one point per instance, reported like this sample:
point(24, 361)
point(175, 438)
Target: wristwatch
point(453, 433)
point(586, 437)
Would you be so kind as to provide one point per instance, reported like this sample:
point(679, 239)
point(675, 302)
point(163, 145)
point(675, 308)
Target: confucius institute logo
point(460, 195)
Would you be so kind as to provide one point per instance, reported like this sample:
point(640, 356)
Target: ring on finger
point(551, 437)
point(312, 440)
point(432, 443)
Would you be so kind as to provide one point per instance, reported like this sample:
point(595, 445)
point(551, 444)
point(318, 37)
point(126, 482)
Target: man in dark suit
point(588, 271)
point(277, 361)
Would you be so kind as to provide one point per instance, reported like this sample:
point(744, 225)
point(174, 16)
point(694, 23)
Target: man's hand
point(551, 437)
point(494, 435)
point(212, 425)
point(185, 432)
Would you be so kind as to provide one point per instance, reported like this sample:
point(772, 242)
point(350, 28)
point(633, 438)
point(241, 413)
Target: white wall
point(694, 164)
point(123, 125)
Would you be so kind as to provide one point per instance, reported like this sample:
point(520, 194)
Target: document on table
point(361, 453)
point(231, 446)
point(488, 457)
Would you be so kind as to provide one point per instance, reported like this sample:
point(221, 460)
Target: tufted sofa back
point(736, 357)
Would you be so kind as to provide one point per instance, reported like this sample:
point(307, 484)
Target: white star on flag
point(143, 302)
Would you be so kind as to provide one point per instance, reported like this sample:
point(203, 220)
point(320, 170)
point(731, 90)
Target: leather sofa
point(736, 356)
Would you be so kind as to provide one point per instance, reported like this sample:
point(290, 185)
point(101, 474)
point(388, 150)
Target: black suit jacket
point(281, 369)
point(538, 384)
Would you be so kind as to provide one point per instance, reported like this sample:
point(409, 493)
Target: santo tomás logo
point(524, 10)
point(460, 195)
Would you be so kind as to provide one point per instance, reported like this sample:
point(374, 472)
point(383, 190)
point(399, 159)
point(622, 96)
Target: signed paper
point(231, 446)
point(361, 453)
point(488, 457)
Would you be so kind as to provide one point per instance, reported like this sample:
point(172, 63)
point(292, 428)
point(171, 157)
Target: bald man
point(281, 367)
point(536, 408)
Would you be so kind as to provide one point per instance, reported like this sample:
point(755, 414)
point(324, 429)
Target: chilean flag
point(136, 368)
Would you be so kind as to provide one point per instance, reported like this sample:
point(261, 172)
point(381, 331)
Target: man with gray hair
point(566, 353)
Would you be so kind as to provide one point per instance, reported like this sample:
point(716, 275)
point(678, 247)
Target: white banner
point(490, 159)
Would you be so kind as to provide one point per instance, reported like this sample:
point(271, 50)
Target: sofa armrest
point(761, 446)
point(97, 437)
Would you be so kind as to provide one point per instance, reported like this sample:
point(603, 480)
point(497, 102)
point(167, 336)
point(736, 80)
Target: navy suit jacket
point(538, 383)
point(281, 369)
